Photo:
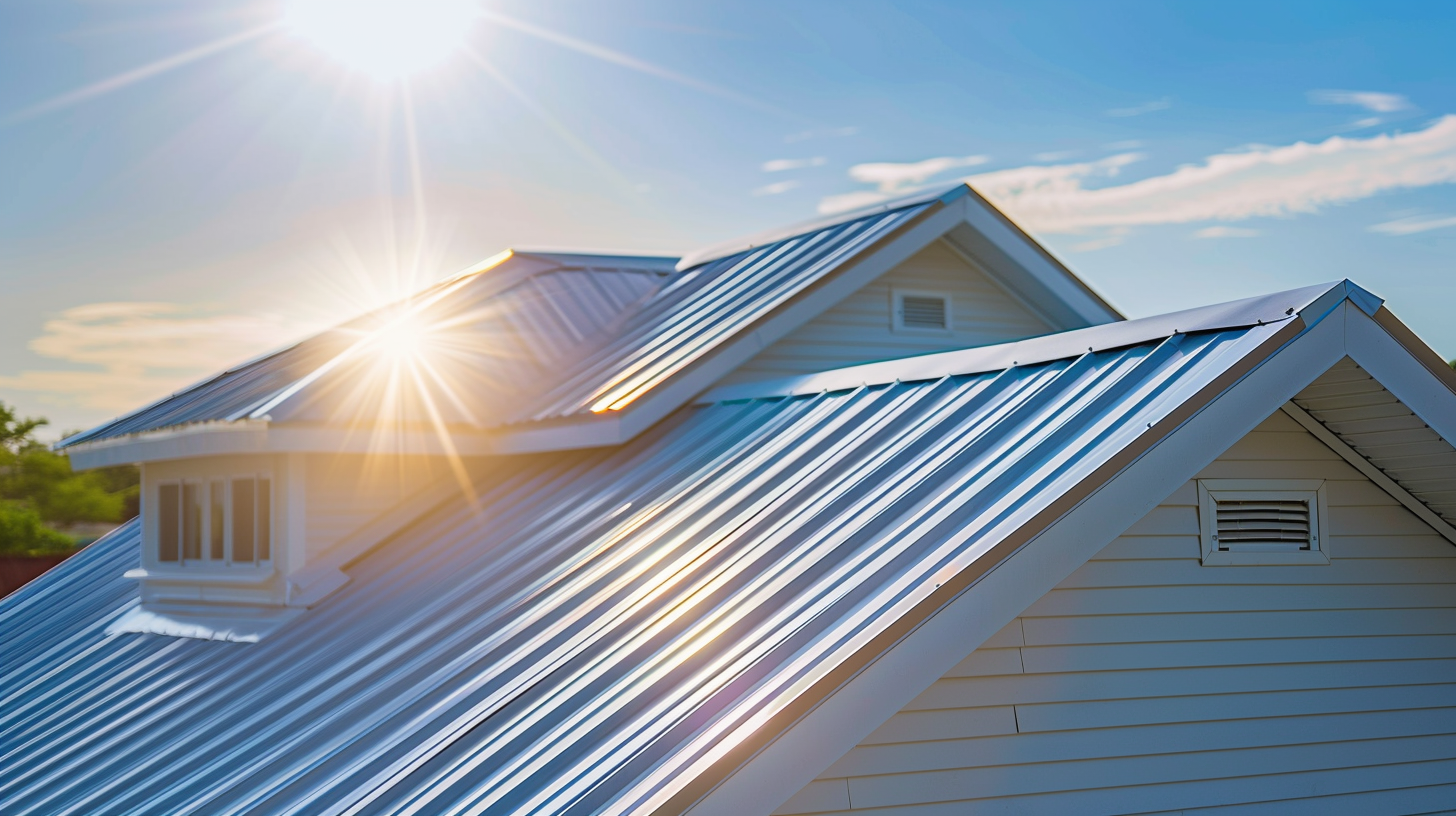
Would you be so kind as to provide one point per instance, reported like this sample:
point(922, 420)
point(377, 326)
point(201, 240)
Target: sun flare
point(387, 39)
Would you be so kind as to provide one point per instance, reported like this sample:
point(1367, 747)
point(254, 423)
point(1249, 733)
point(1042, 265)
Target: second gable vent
point(1275, 525)
point(922, 311)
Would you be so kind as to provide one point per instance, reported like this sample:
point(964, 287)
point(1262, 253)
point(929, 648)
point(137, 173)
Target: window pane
point(191, 521)
point(265, 521)
point(216, 522)
point(243, 520)
point(168, 506)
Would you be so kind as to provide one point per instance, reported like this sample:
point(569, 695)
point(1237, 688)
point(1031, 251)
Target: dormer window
point(222, 521)
point(220, 518)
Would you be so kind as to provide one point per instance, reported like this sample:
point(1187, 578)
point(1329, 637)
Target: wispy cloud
point(1266, 181)
point(779, 165)
point(891, 177)
point(1055, 155)
point(132, 353)
point(1112, 238)
point(1138, 110)
point(776, 188)
point(1258, 181)
point(827, 133)
point(1415, 224)
point(1369, 100)
point(1225, 232)
point(1008, 182)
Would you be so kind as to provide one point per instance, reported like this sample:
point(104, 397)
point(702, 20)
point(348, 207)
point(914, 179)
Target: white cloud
point(1369, 100)
point(778, 165)
point(134, 353)
point(1410, 226)
point(1225, 232)
point(1258, 181)
point(1138, 110)
point(1265, 181)
point(891, 177)
point(776, 188)
point(1361, 124)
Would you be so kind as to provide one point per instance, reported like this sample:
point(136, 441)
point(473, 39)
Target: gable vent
point(1263, 525)
point(922, 311)
point(1262, 521)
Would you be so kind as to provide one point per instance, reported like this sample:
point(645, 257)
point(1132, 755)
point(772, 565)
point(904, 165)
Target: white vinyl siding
point(346, 492)
point(860, 328)
point(1146, 683)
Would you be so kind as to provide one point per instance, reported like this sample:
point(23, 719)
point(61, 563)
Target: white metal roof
point(617, 629)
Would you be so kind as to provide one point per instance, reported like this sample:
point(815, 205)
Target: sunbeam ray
point(580, 147)
point(136, 75)
point(417, 182)
point(626, 61)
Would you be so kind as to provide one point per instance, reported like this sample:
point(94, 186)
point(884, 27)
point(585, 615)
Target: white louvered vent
point(1253, 525)
point(1261, 521)
point(921, 311)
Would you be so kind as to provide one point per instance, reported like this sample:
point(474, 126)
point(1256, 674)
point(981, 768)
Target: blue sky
point(183, 185)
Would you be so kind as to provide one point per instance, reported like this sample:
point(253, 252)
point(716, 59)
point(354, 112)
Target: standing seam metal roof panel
point(604, 621)
point(535, 345)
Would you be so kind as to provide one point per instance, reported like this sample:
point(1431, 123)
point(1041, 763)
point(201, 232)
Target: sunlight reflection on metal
point(406, 312)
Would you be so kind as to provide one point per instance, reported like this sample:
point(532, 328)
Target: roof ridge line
point(1312, 303)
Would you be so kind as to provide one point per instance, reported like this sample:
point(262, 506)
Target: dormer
point(236, 545)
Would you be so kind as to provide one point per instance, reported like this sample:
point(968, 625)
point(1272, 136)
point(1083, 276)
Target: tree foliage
point(40, 493)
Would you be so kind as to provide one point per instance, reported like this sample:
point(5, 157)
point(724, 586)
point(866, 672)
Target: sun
point(387, 39)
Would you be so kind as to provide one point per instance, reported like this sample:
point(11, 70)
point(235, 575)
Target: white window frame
point(1211, 491)
point(206, 564)
point(897, 316)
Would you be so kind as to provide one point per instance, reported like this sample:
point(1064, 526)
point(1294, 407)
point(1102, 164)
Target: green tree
point(39, 491)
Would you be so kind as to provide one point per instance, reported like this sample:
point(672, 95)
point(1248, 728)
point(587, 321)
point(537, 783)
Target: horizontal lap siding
point(1148, 683)
point(346, 492)
point(857, 329)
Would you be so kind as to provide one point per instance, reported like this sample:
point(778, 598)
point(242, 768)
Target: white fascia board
point(259, 436)
point(1396, 368)
point(184, 442)
point(1025, 267)
point(869, 699)
point(256, 436)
